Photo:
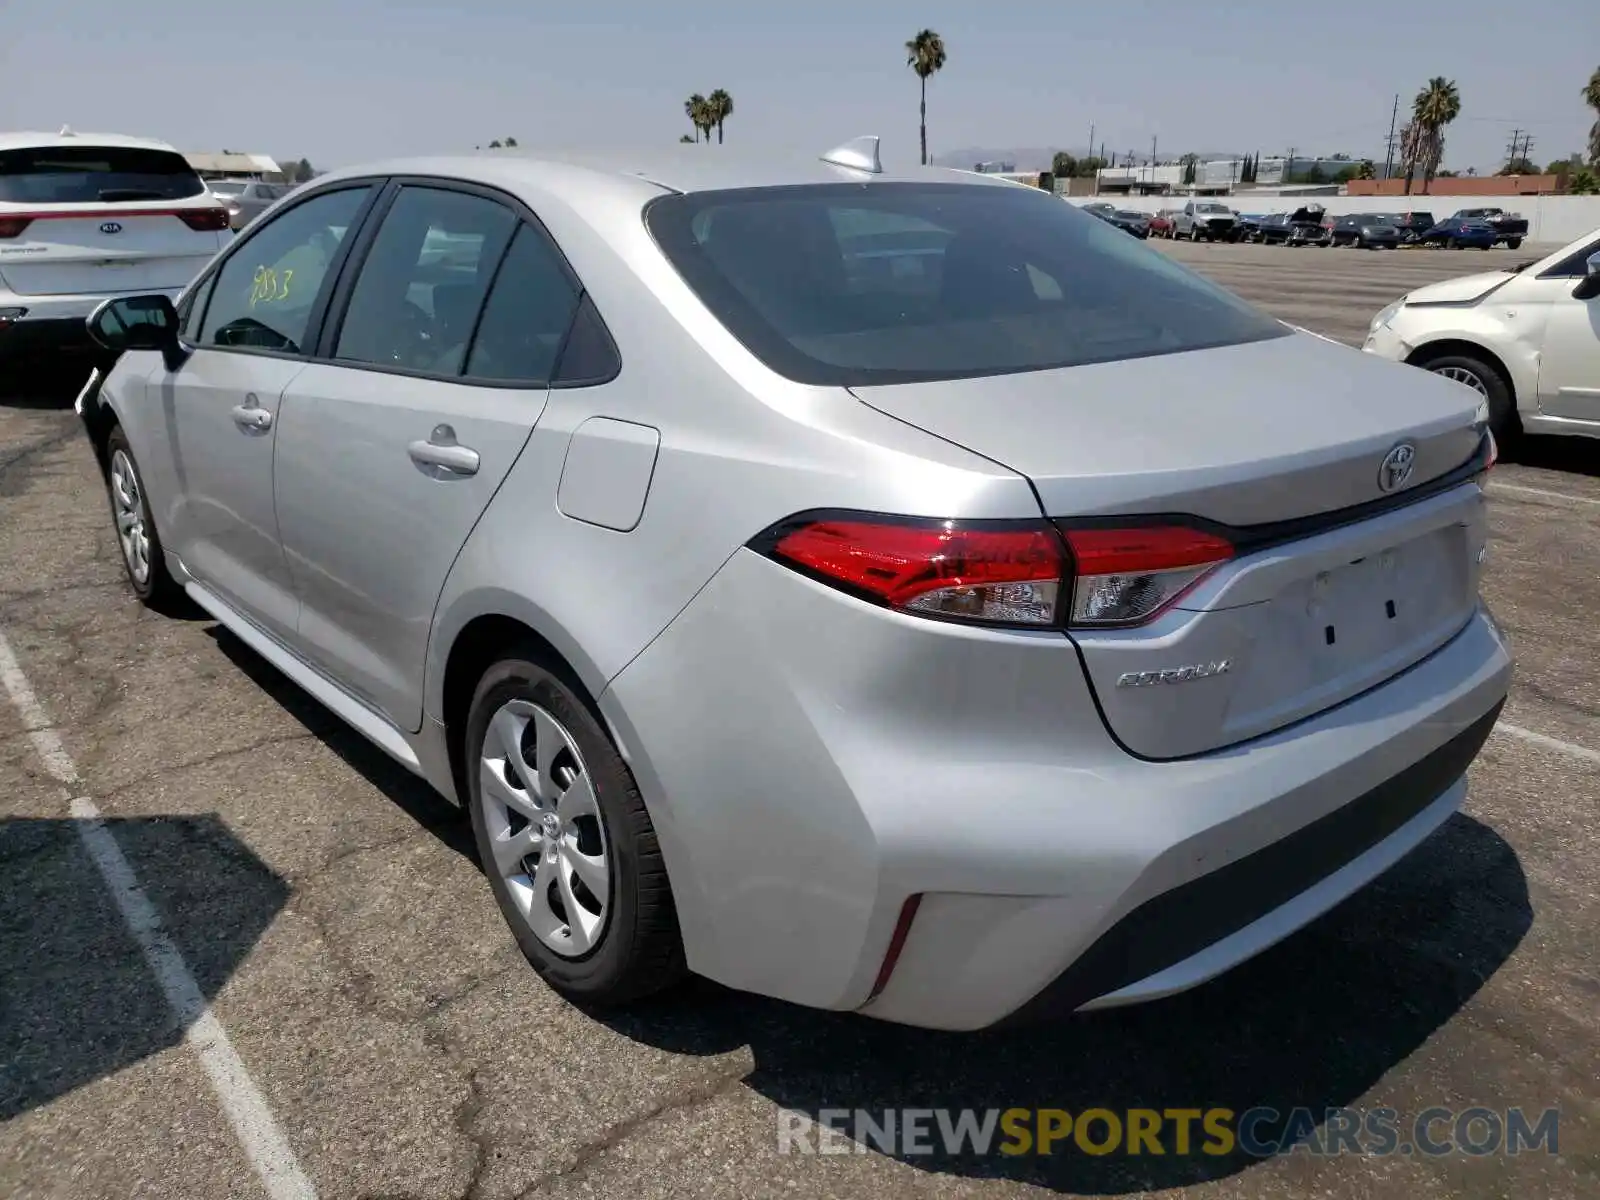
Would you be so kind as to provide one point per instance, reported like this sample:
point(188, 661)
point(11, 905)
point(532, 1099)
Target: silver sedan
point(891, 591)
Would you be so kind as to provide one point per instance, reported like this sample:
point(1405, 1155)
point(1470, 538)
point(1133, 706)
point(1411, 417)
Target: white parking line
point(1497, 486)
point(1549, 743)
point(253, 1124)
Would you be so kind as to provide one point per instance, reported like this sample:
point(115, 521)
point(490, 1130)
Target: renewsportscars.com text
point(1259, 1132)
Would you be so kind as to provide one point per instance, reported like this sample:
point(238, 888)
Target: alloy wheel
point(543, 821)
point(1462, 375)
point(127, 501)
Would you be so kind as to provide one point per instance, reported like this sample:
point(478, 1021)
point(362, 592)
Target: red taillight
point(204, 220)
point(967, 571)
point(11, 227)
point(1003, 573)
point(1130, 576)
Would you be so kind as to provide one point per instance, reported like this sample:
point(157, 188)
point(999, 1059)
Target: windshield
point(1127, 214)
point(90, 174)
point(850, 284)
point(1212, 208)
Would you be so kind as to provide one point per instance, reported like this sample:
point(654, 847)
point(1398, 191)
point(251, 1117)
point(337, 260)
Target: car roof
point(685, 168)
point(26, 140)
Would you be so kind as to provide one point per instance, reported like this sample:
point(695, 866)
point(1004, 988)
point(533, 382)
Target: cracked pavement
point(331, 909)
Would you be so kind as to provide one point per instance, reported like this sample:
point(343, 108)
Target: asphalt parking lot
point(377, 1035)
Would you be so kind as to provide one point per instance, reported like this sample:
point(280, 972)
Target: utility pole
point(1388, 158)
point(1288, 168)
point(1527, 147)
point(1091, 139)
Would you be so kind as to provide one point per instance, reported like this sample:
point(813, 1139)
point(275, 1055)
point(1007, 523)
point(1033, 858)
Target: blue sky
point(341, 81)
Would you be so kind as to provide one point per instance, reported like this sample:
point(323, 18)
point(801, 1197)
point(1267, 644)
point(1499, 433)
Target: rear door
point(389, 453)
point(84, 219)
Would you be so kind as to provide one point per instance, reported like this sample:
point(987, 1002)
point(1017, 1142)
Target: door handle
point(442, 455)
point(250, 415)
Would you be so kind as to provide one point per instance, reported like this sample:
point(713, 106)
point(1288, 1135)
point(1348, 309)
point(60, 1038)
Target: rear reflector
point(11, 227)
point(1130, 576)
point(897, 943)
point(1010, 575)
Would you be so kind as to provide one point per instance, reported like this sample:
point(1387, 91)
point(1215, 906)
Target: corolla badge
point(1397, 466)
point(110, 227)
point(1175, 674)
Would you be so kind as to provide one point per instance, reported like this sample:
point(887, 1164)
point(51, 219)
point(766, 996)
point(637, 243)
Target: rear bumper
point(812, 762)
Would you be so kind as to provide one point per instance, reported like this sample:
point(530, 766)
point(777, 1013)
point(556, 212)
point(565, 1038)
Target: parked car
point(1131, 221)
point(246, 199)
point(83, 217)
point(1370, 231)
point(1302, 227)
point(1162, 222)
point(1412, 225)
point(1527, 340)
point(1510, 228)
point(1206, 219)
point(1248, 226)
point(737, 580)
point(1457, 233)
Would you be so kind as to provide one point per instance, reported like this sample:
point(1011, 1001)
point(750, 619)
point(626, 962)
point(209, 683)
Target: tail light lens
point(1130, 576)
point(204, 220)
point(1028, 574)
point(11, 227)
point(1009, 575)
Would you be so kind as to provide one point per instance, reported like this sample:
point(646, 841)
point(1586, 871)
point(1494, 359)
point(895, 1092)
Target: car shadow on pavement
point(413, 795)
point(46, 384)
point(1572, 455)
point(1313, 1023)
point(77, 1000)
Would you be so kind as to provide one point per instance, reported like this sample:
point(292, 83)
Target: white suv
point(84, 217)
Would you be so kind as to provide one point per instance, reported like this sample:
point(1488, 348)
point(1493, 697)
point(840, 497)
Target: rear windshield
point(91, 174)
point(227, 187)
point(857, 284)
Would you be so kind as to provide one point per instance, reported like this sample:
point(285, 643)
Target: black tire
point(1503, 419)
point(640, 950)
point(158, 590)
point(1513, 243)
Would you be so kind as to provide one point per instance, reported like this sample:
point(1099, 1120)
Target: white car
point(84, 217)
point(1527, 339)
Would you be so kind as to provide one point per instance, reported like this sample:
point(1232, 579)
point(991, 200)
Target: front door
point(1569, 366)
point(221, 407)
point(388, 456)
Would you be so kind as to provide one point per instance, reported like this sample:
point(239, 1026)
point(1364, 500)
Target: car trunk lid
point(98, 248)
point(1337, 584)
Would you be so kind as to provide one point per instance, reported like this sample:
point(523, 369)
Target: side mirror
point(1589, 286)
point(137, 323)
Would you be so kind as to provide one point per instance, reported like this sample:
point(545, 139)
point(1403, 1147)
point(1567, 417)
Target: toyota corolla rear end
point(1223, 665)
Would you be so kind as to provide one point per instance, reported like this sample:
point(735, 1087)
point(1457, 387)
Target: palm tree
point(1591, 97)
point(694, 108)
point(925, 55)
point(722, 108)
point(1436, 106)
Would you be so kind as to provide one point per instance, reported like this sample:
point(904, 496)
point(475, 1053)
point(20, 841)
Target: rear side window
point(94, 174)
point(527, 316)
point(423, 283)
point(848, 284)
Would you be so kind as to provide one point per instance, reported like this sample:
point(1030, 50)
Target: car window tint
point(265, 291)
point(527, 314)
point(844, 285)
point(416, 301)
point(95, 174)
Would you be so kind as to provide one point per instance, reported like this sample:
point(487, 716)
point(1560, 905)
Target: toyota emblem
point(1397, 467)
point(110, 227)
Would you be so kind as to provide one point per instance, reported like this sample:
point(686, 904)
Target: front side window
point(416, 302)
point(266, 289)
point(851, 284)
point(95, 174)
